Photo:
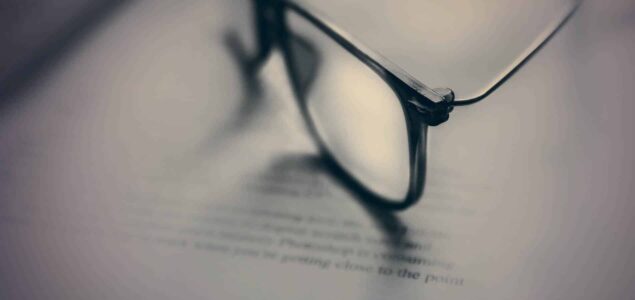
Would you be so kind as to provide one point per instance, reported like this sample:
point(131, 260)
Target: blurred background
point(138, 160)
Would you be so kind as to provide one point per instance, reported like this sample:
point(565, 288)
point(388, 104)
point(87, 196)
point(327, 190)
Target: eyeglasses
point(368, 116)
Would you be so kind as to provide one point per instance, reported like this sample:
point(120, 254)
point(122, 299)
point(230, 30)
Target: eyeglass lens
point(357, 115)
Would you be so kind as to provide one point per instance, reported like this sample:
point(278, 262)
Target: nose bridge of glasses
point(433, 112)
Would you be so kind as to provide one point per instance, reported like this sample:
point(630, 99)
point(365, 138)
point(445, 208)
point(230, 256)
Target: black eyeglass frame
point(422, 106)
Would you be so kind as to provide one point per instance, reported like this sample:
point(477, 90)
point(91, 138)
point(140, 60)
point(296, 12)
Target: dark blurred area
point(37, 32)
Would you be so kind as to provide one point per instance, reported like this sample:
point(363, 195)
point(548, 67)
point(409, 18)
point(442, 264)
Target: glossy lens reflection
point(355, 112)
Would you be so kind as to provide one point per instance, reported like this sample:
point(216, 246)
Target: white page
point(125, 176)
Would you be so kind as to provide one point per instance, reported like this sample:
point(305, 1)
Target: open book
point(143, 168)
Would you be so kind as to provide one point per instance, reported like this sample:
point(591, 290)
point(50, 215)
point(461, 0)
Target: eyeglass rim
point(415, 126)
point(431, 97)
point(421, 104)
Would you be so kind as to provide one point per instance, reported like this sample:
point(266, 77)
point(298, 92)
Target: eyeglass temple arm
point(523, 58)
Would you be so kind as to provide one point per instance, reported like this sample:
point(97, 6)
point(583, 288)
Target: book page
point(144, 166)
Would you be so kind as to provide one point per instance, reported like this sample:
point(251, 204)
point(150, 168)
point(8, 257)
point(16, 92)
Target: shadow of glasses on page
point(302, 175)
point(251, 99)
point(395, 231)
point(253, 103)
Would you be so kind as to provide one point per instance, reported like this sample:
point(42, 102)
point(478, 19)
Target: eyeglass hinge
point(435, 113)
